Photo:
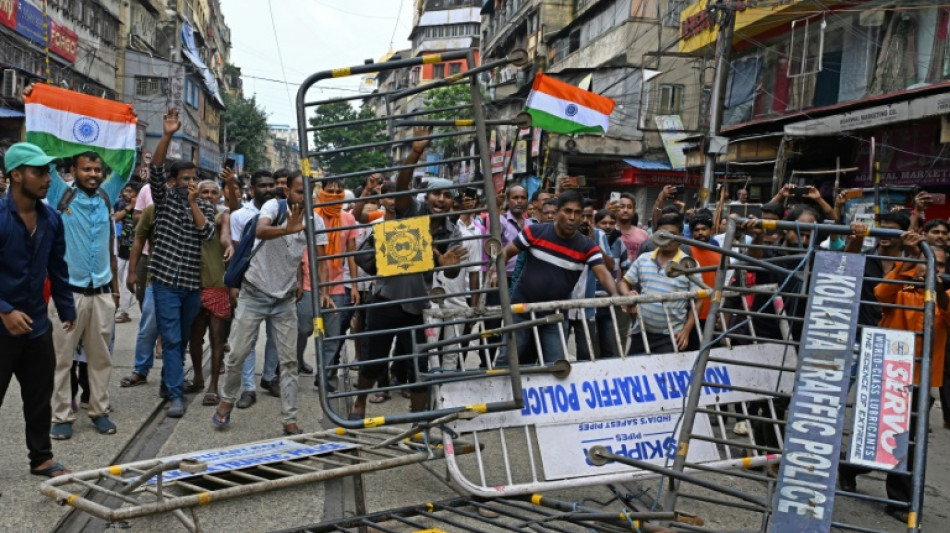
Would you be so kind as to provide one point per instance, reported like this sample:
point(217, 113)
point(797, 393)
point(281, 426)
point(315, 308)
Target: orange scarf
point(332, 218)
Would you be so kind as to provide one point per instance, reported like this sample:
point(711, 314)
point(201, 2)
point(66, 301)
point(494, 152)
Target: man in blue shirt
point(84, 208)
point(32, 248)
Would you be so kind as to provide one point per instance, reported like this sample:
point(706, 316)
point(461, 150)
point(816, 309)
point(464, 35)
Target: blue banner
point(805, 494)
point(29, 22)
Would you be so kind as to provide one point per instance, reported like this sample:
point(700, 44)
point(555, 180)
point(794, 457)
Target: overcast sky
point(313, 35)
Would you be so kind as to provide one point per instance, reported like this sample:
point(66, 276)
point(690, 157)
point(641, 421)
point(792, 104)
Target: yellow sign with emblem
point(403, 246)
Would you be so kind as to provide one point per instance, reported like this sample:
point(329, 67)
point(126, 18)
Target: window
point(148, 86)
point(674, 8)
point(455, 68)
point(438, 71)
point(671, 99)
point(191, 93)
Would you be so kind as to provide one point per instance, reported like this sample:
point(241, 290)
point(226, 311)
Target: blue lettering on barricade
point(804, 496)
point(238, 457)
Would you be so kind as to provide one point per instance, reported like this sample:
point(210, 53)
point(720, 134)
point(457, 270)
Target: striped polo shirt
point(652, 279)
point(552, 265)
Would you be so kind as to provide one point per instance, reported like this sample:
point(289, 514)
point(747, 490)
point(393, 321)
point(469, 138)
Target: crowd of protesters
point(97, 244)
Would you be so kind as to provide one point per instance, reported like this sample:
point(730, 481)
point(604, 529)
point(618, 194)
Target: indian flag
point(560, 107)
point(65, 123)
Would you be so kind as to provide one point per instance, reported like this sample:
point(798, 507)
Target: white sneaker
point(741, 428)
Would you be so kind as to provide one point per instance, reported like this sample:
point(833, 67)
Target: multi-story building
point(175, 56)
point(820, 93)
point(282, 148)
point(82, 37)
point(622, 49)
point(625, 50)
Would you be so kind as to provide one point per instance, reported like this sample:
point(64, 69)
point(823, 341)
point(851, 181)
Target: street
point(26, 510)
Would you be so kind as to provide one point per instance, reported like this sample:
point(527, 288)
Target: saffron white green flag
point(65, 123)
point(560, 107)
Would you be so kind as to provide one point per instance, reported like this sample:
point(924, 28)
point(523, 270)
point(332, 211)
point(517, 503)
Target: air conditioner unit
point(11, 84)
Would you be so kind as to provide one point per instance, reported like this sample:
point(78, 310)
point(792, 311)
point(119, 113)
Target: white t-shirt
point(273, 269)
point(460, 284)
point(240, 218)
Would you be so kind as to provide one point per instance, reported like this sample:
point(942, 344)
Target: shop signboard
point(8, 13)
point(29, 22)
point(63, 41)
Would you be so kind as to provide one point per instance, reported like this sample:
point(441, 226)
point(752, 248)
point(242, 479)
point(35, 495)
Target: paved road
point(26, 510)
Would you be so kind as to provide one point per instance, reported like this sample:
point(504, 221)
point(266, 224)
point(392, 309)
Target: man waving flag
point(65, 123)
point(560, 107)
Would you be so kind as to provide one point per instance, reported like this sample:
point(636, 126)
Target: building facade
point(175, 57)
point(82, 37)
point(822, 97)
point(622, 49)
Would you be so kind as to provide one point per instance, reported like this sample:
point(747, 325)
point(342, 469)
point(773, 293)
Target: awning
point(10, 113)
point(647, 173)
point(646, 164)
point(190, 51)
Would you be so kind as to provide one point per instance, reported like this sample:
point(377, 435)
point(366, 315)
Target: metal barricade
point(537, 513)
point(856, 407)
point(632, 403)
point(410, 249)
point(181, 483)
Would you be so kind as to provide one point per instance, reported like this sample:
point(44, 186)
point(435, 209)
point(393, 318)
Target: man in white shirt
point(264, 187)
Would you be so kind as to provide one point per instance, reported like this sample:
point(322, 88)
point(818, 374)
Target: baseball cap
point(26, 154)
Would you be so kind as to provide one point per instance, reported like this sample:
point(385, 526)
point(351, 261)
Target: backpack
point(70, 194)
point(245, 251)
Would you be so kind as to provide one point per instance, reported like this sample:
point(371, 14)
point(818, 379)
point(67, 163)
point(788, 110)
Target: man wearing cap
point(398, 289)
point(90, 234)
point(32, 248)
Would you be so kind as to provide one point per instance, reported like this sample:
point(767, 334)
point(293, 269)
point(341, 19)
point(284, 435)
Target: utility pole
point(713, 145)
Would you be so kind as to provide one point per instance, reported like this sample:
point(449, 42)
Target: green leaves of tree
point(356, 134)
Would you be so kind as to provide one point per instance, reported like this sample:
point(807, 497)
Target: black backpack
point(241, 260)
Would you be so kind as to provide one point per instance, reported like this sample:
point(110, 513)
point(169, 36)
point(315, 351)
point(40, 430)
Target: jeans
point(32, 362)
point(175, 310)
point(148, 334)
point(333, 326)
point(550, 336)
point(280, 314)
point(304, 324)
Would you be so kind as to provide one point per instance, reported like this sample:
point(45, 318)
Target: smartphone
point(229, 163)
point(615, 197)
point(800, 191)
point(938, 198)
point(680, 189)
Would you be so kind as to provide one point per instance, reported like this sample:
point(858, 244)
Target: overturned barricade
point(856, 407)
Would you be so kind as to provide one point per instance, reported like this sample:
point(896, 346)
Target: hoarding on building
point(29, 22)
point(63, 41)
point(8, 13)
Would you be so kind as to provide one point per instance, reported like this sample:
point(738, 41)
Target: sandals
point(380, 397)
point(291, 430)
point(53, 470)
point(221, 419)
point(133, 380)
point(211, 398)
point(356, 415)
point(192, 387)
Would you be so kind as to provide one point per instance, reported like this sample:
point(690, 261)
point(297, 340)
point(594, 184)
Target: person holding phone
point(670, 193)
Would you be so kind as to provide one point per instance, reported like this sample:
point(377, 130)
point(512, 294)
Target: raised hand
point(295, 220)
point(171, 124)
point(420, 131)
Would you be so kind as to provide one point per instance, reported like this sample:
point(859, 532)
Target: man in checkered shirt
point(182, 221)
